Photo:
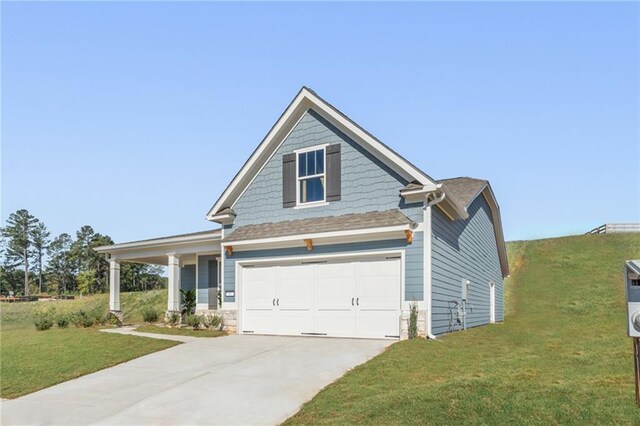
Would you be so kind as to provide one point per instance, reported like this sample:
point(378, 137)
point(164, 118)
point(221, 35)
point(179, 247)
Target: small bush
point(62, 321)
point(149, 314)
point(213, 321)
point(101, 319)
point(194, 321)
point(413, 321)
point(173, 318)
point(84, 319)
point(43, 320)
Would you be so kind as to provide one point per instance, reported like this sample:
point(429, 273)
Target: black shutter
point(289, 180)
point(334, 176)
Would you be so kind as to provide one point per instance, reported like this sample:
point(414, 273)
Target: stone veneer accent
point(404, 324)
point(119, 317)
point(230, 318)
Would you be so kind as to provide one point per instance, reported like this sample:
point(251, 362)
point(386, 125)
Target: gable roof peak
point(308, 99)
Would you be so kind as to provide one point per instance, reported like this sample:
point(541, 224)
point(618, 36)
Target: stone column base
point(118, 316)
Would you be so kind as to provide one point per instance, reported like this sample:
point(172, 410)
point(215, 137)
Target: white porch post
point(173, 301)
point(114, 285)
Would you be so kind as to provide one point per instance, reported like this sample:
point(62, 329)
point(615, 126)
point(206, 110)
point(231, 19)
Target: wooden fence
point(614, 228)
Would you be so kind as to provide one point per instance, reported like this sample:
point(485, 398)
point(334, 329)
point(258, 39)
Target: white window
point(311, 176)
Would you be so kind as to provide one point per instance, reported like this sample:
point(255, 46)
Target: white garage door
point(345, 299)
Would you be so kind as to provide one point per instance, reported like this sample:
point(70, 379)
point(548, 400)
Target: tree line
point(31, 261)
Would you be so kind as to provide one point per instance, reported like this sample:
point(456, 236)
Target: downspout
point(428, 257)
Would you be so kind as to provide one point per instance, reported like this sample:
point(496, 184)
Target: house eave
point(161, 242)
point(323, 238)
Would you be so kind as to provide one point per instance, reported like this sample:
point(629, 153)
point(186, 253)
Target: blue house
point(326, 231)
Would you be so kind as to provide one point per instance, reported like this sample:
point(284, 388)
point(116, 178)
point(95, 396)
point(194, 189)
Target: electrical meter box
point(632, 287)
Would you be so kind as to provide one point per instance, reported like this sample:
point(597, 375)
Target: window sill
point(308, 205)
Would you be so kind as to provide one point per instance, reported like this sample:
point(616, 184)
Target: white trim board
point(324, 238)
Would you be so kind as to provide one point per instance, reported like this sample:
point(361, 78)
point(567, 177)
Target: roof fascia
point(489, 196)
point(159, 242)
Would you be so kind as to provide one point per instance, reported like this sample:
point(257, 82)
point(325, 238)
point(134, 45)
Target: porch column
point(114, 285)
point(173, 301)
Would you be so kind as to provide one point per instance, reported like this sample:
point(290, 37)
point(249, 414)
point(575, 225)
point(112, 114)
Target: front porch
point(193, 262)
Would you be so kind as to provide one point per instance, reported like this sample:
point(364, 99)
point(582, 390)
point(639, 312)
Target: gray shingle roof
point(320, 225)
point(464, 189)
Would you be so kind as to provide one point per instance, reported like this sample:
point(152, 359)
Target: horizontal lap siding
point(413, 259)
point(367, 185)
point(188, 277)
point(465, 249)
point(203, 278)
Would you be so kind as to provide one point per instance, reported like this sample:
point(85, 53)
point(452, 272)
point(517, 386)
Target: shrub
point(149, 314)
point(188, 301)
point(101, 319)
point(43, 320)
point(194, 321)
point(62, 320)
point(173, 318)
point(214, 321)
point(83, 319)
point(413, 321)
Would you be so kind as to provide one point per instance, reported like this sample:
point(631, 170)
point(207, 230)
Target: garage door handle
point(352, 301)
point(274, 302)
point(278, 302)
point(358, 301)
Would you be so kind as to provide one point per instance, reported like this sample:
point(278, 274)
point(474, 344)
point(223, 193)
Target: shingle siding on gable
point(465, 249)
point(367, 185)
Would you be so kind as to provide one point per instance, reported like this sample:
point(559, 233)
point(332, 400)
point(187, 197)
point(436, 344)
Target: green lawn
point(32, 360)
point(561, 357)
point(180, 331)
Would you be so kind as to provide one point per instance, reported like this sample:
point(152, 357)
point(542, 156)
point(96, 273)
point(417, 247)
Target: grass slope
point(32, 360)
point(561, 357)
point(19, 315)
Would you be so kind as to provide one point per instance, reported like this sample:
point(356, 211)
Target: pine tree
point(18, 237)
point(40, 241)
point(60, 264)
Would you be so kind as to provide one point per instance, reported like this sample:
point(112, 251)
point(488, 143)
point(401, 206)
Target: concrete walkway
point(130, 330)
point(233, 380)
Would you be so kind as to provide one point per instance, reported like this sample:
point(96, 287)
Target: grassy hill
point(32, 360)
point(561, 356)
point(20, 315)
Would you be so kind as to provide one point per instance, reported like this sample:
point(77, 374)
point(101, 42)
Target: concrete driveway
point(233, 380)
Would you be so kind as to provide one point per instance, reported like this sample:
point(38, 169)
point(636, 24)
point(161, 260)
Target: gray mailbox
point(632, 286)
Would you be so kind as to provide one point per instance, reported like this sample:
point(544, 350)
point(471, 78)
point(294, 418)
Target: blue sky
point(133, 117)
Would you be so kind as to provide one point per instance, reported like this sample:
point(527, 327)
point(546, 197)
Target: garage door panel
point(295, 288)
point(336, 323)
point(295, 300)
point(335, 287)
point(259, 288)
point(342, 299)
point(378, 324)
point(379, 290)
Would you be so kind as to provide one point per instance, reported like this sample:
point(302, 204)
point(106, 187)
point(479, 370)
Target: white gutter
point(428, 258)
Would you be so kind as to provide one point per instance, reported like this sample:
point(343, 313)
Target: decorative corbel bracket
point(409, 236)
point(309, 243)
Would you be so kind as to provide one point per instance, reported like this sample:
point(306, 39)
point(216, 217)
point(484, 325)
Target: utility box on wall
point(632, 290)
